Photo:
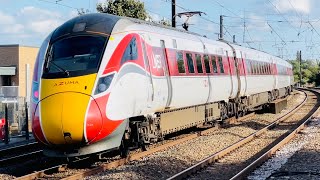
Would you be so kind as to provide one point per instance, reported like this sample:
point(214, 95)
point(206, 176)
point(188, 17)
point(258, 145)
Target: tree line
point(309, 72)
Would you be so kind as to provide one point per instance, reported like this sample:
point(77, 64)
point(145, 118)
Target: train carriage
point(104, 82)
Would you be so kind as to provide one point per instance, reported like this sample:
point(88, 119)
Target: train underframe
point(145, 130)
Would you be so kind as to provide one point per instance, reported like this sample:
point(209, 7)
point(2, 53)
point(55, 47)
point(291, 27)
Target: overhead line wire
point(59, 4)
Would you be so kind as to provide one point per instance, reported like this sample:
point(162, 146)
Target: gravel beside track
point(297, 160)
point(163, 164)
point(228, 166)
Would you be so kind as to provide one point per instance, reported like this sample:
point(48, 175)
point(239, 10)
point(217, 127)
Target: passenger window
point(266, 68)
point(248, 66)
point(131, 52)
point(252, 67)
point(269, 67)
point(206, 63)
point(256, 68)
point(199, 63)
point(180, 62)
point(190, 63)
point(214, 64)
point(221, 64)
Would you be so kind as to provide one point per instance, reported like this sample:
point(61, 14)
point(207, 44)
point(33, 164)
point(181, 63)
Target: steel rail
point(19, 157)
point(242, 174)
point(227, 150)
point(10, 149)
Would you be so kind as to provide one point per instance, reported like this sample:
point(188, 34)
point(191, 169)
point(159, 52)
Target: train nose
point(63, 118)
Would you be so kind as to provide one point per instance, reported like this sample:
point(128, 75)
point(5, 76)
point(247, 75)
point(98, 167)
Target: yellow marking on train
point(51, 109)
point(63, 108)
point(81, 84)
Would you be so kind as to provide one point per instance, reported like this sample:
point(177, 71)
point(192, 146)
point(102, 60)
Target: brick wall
point(9, 56)
point(19, 56)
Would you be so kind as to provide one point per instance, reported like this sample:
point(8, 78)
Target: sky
point(278, 27)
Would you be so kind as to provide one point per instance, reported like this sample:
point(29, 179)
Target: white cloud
point(30, 23)
point(33, 12)
point(6, 19)
point(44, 26)
point(13, 29)
point(302, 6)
point(39, 20)
point(256, 22)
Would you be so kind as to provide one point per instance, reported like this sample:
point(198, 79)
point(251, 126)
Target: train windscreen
point(74, 56)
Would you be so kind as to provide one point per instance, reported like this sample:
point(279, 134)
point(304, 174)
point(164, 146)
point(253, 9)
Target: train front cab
point(65, 115)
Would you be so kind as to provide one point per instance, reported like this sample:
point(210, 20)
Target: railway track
point(18, 153)
point(63, 170)
point(57, 170)
point(231, 156)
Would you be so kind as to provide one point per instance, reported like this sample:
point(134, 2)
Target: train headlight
point(103, 84)
point(102, 87)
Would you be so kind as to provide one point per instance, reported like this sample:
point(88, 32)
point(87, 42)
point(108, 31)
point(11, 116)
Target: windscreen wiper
point(49, 61)
point(60, 68)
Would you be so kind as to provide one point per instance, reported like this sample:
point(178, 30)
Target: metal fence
point(16, 115)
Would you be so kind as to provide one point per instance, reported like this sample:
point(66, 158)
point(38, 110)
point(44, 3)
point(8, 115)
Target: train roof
point(105, 23)
point(96, 22)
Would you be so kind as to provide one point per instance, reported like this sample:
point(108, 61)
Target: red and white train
point(103, 82)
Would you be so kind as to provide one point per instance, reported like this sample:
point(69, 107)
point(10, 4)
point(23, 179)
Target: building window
point(190, 63)
point(207, 63)
point(199, 63)
point(180, 62)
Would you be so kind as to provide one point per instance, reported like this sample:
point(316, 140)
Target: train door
point(166, 72)
point(243, 78)
point(274, 73)
point(149, 77)
point(233, 76)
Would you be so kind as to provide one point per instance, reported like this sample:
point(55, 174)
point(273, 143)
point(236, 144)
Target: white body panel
point(131, 97)
point(257, 84)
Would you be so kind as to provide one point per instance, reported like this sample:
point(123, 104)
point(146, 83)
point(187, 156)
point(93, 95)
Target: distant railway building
point(16, 70)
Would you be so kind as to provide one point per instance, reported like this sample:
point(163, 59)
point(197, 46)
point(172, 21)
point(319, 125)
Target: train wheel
point(143, 147)
point(124, 148)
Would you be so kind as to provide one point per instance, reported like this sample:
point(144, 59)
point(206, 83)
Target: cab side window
point(131, 52)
